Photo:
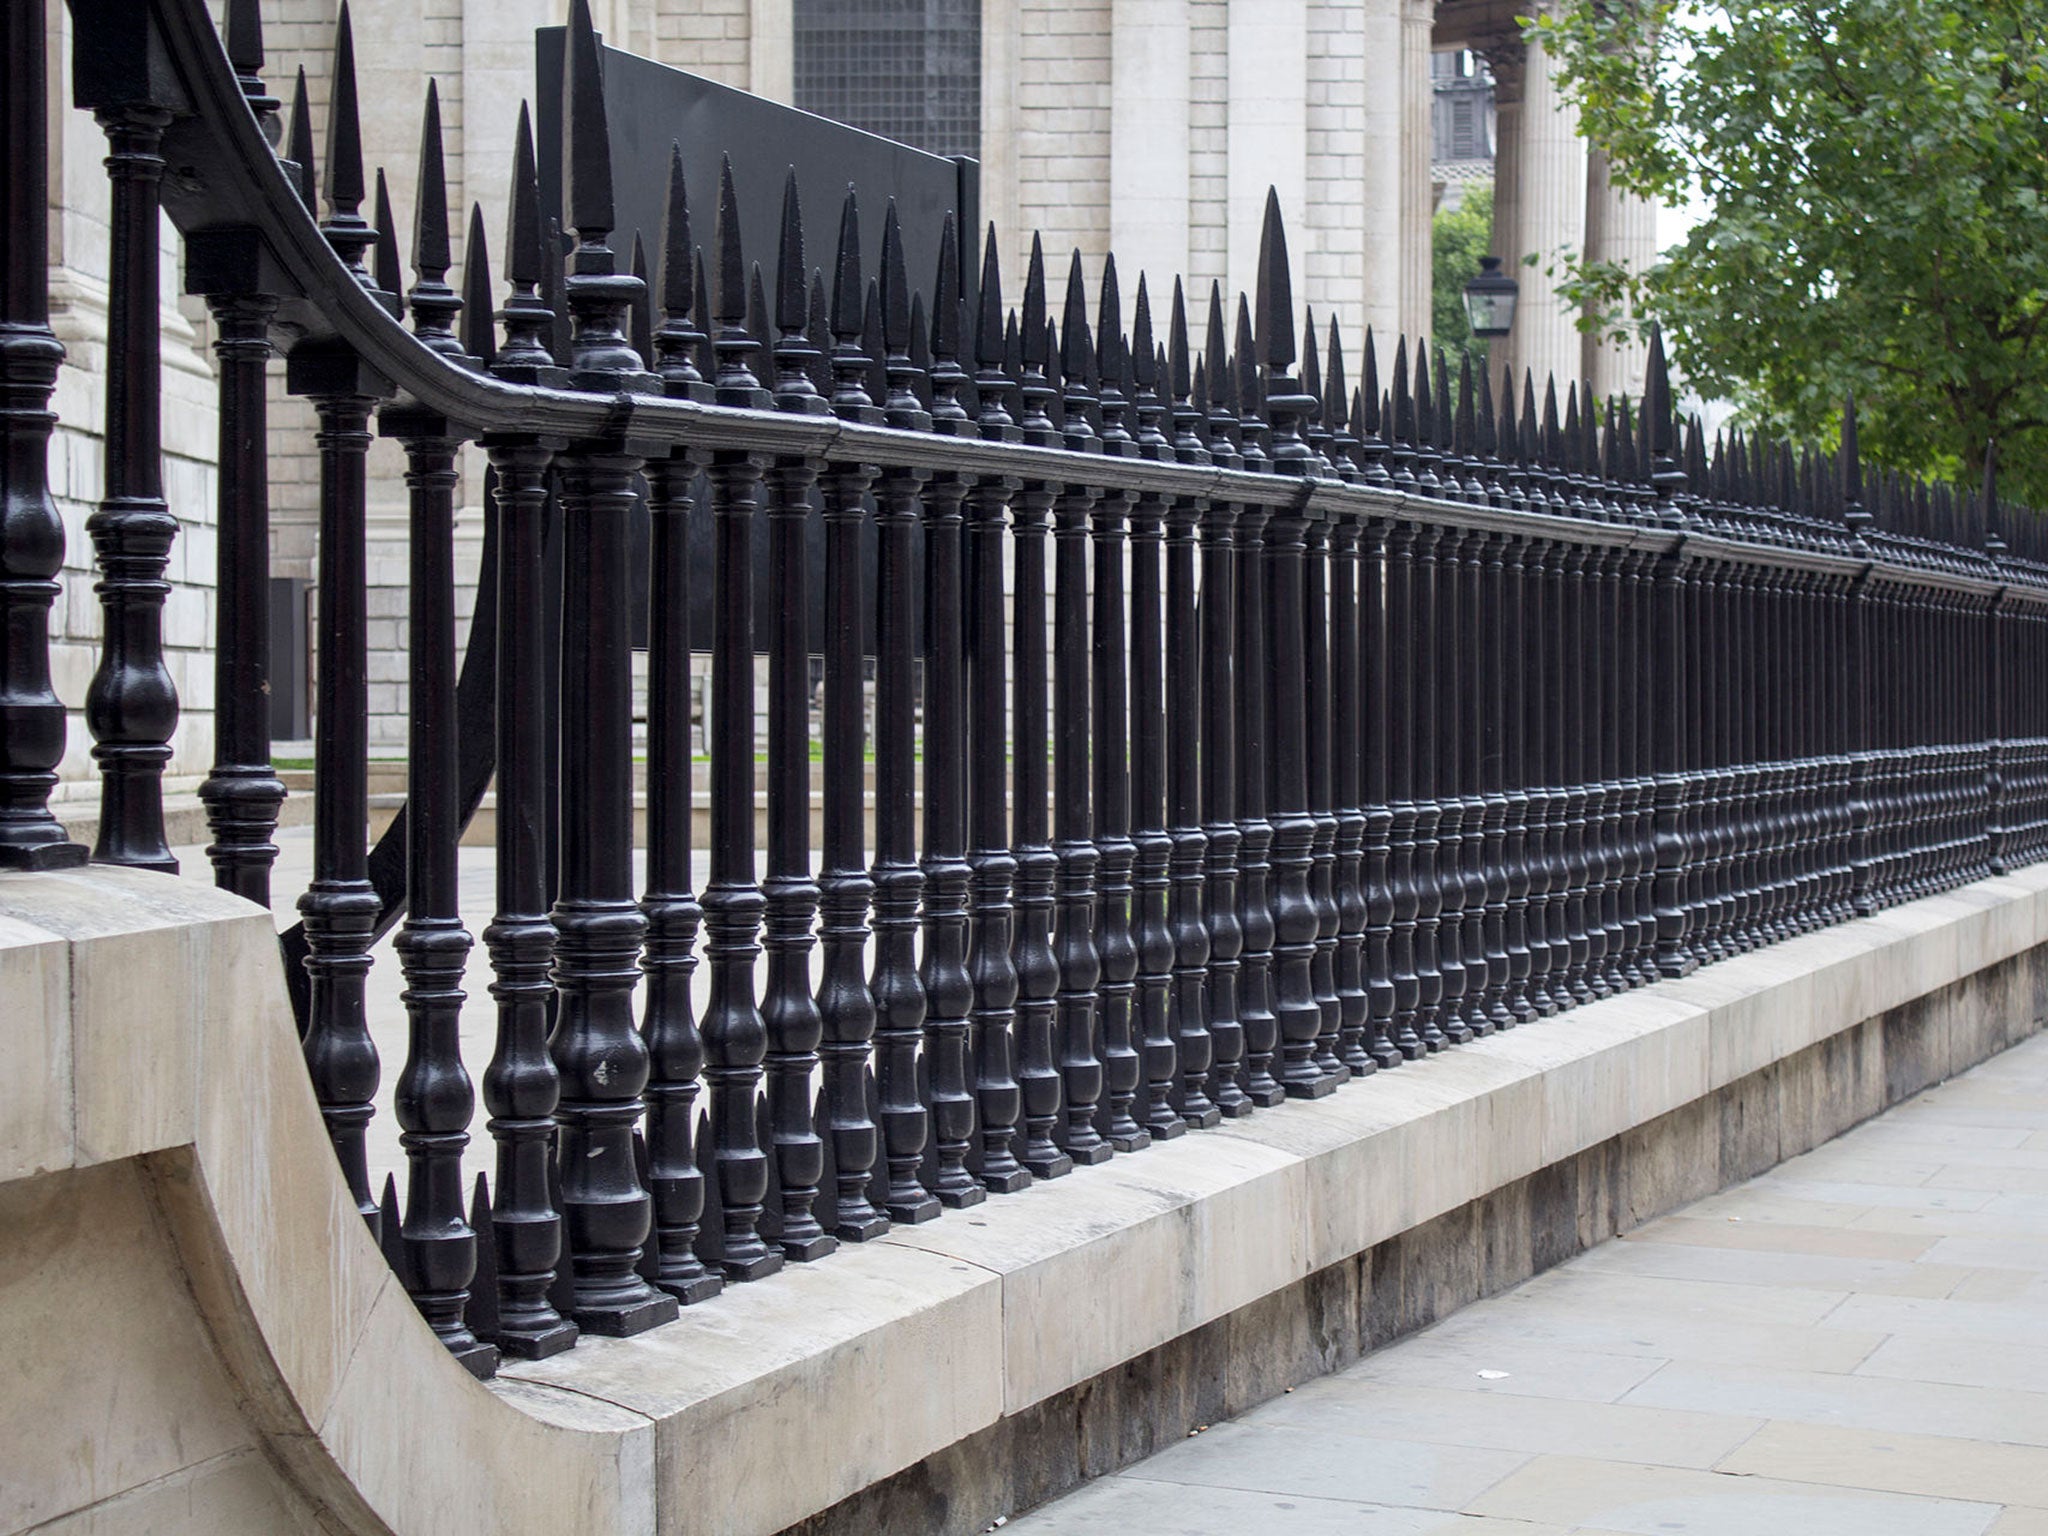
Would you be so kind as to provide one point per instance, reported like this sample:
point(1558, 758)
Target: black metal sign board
point(650, 106)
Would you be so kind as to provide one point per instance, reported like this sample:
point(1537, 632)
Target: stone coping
point(147, 1020)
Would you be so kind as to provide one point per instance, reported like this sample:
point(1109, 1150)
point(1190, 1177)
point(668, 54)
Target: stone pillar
point(1385, 163)
point(1268, 130)
point(1418, 200)
point(1506, 56)
point(1550, 218)
point(771, 50)
point(999, 138)
point(1621, 228)
point(1148, 143)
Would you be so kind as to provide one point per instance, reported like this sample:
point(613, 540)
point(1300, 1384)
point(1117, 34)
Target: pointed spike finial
point(479, 340)
point(791, 299)
point(677, 293)
point(1109, 326)
point(1031, 323)
point(298, 141)
point(895, 283)
point(1181, 382)
point(243, 36)
point(946, 293)
point(729, 277)
point(1076, 355)
point(345, 185)
point(430, 254)
point(1311, 357)
point(525, 258)
point(586, 136)
point(385, 266)
point(847, 285)
point(1275, 290)
point(988, 330)
point(641, 318)
point(1336, 390)
point(1144, 362)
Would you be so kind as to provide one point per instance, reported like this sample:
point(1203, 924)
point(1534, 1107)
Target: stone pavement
point(1854, 1344)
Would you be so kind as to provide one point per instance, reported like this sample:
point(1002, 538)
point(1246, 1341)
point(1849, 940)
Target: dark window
point(909, 70)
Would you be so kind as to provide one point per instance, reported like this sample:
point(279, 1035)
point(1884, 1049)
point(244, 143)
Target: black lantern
point(1490, 300)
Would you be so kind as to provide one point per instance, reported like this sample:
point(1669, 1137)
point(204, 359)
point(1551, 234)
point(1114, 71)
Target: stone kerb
point(173, 1064)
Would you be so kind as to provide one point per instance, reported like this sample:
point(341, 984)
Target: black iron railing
point(1272, 730)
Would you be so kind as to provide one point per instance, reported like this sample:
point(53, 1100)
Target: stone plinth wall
point(204, 1338)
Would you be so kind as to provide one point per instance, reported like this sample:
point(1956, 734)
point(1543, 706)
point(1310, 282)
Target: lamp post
point(1490, 300)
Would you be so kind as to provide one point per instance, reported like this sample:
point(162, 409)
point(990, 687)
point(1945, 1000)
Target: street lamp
point(1490, 300)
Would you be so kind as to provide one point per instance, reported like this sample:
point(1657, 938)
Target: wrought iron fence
point(1276, 728)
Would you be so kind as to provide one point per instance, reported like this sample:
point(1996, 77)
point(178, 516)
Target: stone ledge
point(164, 1001)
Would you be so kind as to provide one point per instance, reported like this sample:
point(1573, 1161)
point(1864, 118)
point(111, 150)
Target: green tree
point(1458, 238)
point(1875, 180)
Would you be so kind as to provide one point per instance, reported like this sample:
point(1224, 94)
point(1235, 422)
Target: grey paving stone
point(1322, 1461)
point(1611, 1496)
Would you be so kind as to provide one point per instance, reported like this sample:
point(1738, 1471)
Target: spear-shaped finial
point(479, 340)
point(1146, 367)
point(949, 414)
point(1035, 352)
point(1401, 419)
point(298, 142)
point(345, 187)
point(1111, 356)
point(1251, 394)
point(1855, 516)
point(677, 339)
point(1426, 454)
point(1077, 362)
point(1187, 411)
point(794, 355)
point(529, 319)
point(243, 38)
point(640, 317)
point(733, 345)
point(586, 145)
point(1665, 474)
point(992, 340)
point(1987, 502)
point(902, 408)
point(1216, 374)
point(384, 266)
point(1275, 290)
point(434, 304)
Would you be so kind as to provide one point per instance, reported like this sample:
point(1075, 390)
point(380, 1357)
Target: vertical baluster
point(845, 1003)
point(131, 705)
point(1217, 738)
point(1378, 732)
point(1152, 913)
point(1452, 684)
point(1109, 759)
point(991, 957)
point(1345, 735)
point(1317, 584)
point(340, 907)
point(32, 723)
point(735, 1033)
point(1186, 701)
point(675, 1050)
point(521, 1086)
point(1669, 660)
point(943, 973)
point(1074, 933)
point(789, 1013)
point(1428, 665)
point(1038, 970)
point(599, 928)
point(242, 792)
point(434, 1097)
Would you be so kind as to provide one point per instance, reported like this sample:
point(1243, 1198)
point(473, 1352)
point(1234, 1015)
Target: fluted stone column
point(1621, 228)
point(1148, 141)
point(1550, 217)
point(1507, 57)
point(1385, 245)
point(1268, 125)
point(1418, 19)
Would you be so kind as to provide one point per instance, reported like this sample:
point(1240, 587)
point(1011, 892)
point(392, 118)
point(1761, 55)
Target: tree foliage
point(1875, 175)
point(1458, 238)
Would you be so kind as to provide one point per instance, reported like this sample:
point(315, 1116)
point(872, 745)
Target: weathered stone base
point(1333, 1317)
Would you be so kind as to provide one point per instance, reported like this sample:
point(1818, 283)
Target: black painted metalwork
point(32, 725)
point(1374, 722)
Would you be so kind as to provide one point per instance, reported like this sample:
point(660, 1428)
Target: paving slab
point(1849, 1345)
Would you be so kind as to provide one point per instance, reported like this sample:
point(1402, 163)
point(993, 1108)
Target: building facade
point(1150, 127)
